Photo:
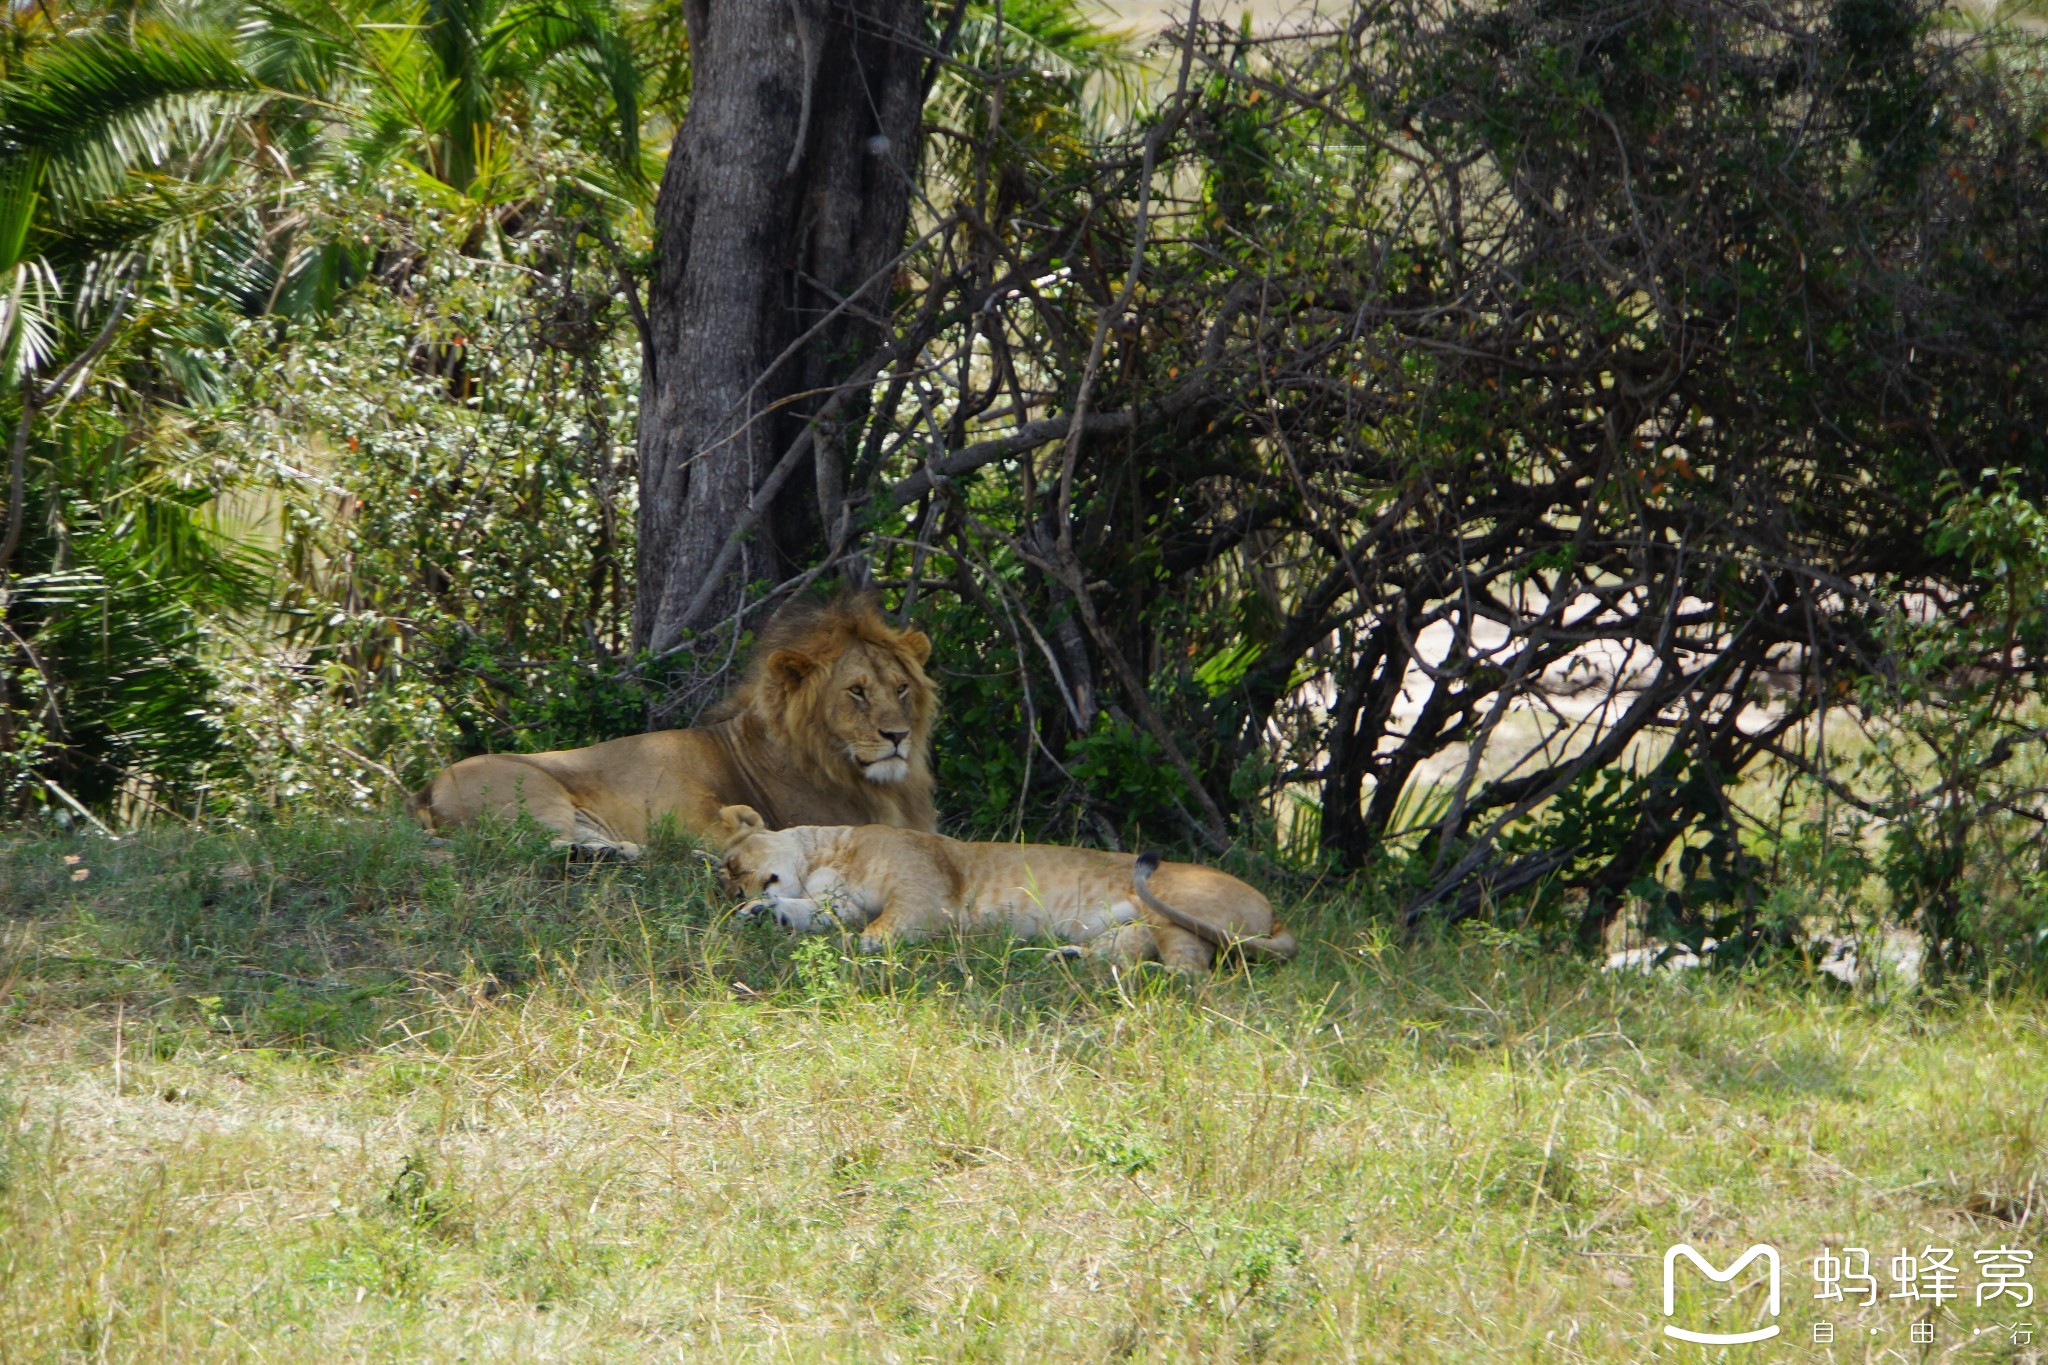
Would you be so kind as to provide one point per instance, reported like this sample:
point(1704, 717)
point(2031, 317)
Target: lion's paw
point(597, 851)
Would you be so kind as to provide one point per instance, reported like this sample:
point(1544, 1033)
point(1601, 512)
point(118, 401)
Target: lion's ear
point(916, 644)
point(790, 667)
point(737, 822)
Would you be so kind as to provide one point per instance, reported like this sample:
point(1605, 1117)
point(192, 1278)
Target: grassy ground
point(327, 1094)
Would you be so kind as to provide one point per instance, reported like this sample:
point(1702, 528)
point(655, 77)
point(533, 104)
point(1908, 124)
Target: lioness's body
point(899, 884)
point(832, 725)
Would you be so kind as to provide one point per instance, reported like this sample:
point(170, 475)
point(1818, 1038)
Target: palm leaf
point(29, 295)
point(587, 33)
point(92, 107)
point(308, 51)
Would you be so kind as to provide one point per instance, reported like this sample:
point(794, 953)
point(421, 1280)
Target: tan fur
point(831, 725)
point(894, 885)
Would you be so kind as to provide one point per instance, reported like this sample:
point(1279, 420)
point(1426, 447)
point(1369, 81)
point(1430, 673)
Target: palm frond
point(77, 96)
point(306, 49)
point(20, 199)
point(1063, 71)
point(586, 33)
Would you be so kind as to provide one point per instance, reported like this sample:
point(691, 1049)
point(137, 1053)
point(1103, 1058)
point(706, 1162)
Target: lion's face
point(871, 713)
point(872, 701)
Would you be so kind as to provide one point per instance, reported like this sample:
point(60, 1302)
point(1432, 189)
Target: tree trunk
point(786, 196)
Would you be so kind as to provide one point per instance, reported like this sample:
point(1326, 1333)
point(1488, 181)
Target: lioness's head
point(845, 692)
point(759, 861)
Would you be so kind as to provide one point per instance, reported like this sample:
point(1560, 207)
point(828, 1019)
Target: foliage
point(1952, 778)
point(202, 179)
point(1547, 406)
point(110, 553)
point(451, 472)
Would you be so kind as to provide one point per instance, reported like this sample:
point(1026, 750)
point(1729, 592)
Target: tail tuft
point(1148, 863)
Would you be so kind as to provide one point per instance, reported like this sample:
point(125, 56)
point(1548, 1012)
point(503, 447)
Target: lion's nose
point(895, 736)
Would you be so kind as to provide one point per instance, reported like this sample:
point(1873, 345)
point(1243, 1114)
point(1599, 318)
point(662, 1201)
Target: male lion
point(900, 884)
point(831, 724)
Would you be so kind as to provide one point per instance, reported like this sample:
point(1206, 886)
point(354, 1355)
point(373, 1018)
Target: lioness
point(831, 724)
point(899, 884)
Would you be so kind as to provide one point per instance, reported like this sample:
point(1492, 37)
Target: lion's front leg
point(890, 928)
point(908, 914)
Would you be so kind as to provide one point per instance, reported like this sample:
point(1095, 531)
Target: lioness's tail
point(1279, 946)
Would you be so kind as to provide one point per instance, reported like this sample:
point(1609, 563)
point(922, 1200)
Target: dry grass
point(326, 1095)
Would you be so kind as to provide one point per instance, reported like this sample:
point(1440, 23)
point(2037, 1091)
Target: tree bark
point(780, 215)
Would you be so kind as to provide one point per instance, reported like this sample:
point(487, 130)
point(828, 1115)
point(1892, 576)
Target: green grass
point(325, 1094)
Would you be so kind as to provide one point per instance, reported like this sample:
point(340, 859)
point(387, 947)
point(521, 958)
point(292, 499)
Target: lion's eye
point(859, 693)
point(903, 692)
